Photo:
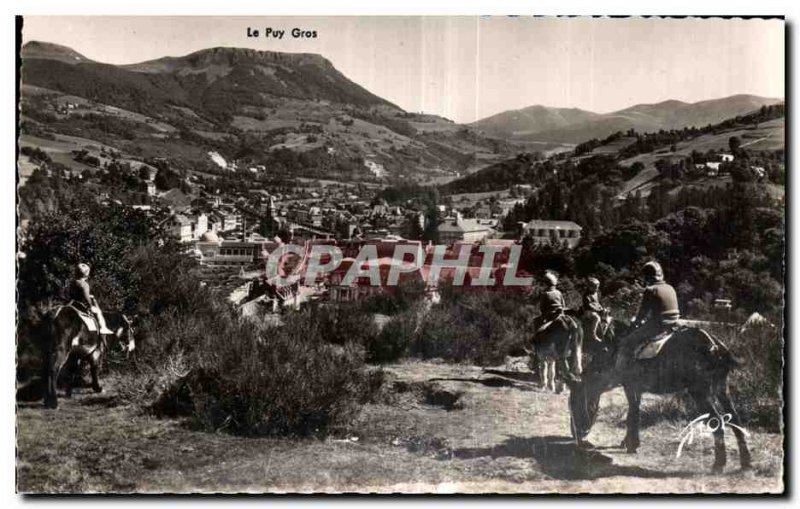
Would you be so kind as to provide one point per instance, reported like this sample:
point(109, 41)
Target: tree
point(734, 143)
point(103, 237)
point(267, 226)
point(431, 231)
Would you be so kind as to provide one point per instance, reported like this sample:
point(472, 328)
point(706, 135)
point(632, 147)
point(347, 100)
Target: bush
point(483, 328)
point(394, 339)
point(227, 374)
point(756, 386)
point(338, 324)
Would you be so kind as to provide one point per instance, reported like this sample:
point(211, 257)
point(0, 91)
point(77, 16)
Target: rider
point(552, 304)
point(81, 295)
point(658, 313)
point(592, 309)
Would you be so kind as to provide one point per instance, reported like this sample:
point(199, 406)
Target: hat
point(652, 272)
point(84, 269)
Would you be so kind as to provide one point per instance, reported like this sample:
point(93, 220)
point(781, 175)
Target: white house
point(199, 225)
point(469, 230)
point(544, 231)
point(181, 228)
point(712, 169)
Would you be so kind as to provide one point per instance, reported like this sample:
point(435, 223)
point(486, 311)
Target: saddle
point(88, 318)
point(652, 348)
point(566, 320)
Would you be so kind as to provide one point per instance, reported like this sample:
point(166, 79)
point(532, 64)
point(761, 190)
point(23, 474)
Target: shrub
point(227, 374)
point(483, 328)
point(338, 324)
point(756, 386)
point(394, 339)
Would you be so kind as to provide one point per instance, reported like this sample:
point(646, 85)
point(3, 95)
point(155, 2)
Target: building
point(712, 169)
point(199, 225)
point(469, 230)
point(544, 231)
point(180, 227)
point(215, 251)
point(224, 221)
point(726, 158)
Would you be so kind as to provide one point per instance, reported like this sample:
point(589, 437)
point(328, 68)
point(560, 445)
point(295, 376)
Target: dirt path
point(440, 428)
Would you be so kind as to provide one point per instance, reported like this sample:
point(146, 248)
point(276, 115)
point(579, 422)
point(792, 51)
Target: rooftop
point(552, 224)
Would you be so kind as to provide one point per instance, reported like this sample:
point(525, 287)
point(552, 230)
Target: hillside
point(213, 80)
point(584, 125)
point(50, 51)
point(533, 119)
point(756, 134)
point(244, 104)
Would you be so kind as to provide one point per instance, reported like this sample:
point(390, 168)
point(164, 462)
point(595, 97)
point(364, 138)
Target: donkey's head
point(122, 326)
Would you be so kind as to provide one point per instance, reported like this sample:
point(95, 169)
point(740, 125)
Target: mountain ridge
point(643, 117)
point(228, 76)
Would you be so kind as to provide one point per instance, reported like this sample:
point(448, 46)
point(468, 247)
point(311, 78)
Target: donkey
point(558, 351)
point(68, 342)
point(692, 361)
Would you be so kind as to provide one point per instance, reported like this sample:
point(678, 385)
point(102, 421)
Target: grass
point(499, 439)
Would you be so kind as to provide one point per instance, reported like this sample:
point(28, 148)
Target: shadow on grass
point(104, 400)
point(559, 458)
point(494, 381)
point(520, 376)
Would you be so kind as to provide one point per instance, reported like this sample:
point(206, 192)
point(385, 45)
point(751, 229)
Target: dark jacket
point(659, 305)
point(552, 304)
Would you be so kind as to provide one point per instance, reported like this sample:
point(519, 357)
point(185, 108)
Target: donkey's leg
point(49, 376)
point(577, 352)
point(56, 361)
point(552, 383)
point(631, 441)
point(543, 374)
point(71, 372)
point(94, 364)
point(741, 441)
point(705, 405)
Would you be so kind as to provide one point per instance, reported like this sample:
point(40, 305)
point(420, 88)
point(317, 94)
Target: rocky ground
point(437, 428)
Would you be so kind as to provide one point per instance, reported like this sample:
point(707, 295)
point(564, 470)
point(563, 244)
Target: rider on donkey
point(551, 307)
point(592, 309)
point(552, 303)
point(82, 298)
point(658, 313)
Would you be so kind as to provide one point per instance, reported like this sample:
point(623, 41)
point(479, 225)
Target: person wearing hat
point(552, 304)
point(592, 309)
point(82, 298)
point(658, 313)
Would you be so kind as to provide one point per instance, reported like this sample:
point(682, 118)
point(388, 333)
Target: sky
point(467, 68)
